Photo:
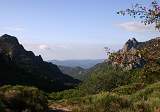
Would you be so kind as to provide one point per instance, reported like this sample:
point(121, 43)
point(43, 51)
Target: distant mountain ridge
point(86, 63)
point(18, 66)
point(75, 72)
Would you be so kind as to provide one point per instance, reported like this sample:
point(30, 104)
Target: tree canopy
point(147, 15)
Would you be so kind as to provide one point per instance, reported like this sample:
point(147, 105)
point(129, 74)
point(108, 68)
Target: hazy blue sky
point(71, 29)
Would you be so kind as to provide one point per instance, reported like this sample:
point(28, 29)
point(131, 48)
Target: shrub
point(103, 102)
point(142, 106)
point(22, 98)
point(1, 106)
point(105, 78)
point(147, 92)
point(66, 94)
point(129, 89)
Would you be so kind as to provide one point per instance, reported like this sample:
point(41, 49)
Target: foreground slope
point(129, 81)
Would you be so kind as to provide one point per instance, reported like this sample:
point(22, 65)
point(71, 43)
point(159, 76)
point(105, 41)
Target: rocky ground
point(59, 108)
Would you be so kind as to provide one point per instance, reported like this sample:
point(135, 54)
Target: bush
point(158, 61)
point(103, 102)
point(105, 78)
point(147, 99)
point(1, 106)
point(67, 94)
point(129, 89)
point(142, 106)
point(152, 90)
point(22, 98)
point(136, 97)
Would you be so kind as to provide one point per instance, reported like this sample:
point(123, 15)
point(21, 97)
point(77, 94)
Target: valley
point(108, 86)
point(80, 56)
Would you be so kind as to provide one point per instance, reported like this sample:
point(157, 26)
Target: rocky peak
point(129, 57)
point(9, 39)
point(157, 38)
point(130, 44)
point(19, 66)
point(10, 45)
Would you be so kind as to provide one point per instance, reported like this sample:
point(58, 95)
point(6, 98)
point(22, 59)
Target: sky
point(71, 29)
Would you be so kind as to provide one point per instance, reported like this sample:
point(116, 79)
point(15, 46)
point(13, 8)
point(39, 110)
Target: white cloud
point(14, 28)
point(66, 51)
point(39, 47)
point(135, 26)
point(43, 47)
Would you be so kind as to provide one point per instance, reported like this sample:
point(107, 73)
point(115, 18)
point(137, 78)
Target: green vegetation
point(102, 102)
point(75, 72)
point(66, 94)
point(111, 89)
point(147, 15)
point(22, 98)
point(128, 82)
point(121, 99)
point(105, 78)
point(1, 106)
point(129, 89)
point(108, 87)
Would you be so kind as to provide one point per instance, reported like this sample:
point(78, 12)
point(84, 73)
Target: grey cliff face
point(130, 44)
point(128, 57)
point(12, 48)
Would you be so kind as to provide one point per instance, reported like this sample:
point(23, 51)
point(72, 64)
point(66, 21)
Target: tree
point(148, 15)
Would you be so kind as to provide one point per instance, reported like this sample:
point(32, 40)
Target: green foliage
point(75, 72)
point(137, 90)
point(148, 15)
point(158, 61)
point(66, 94)
point(1, 106)
point(147, 92)
point(129, 89)
point(141, 106)
point(145, 98)
point(107, 88)
point(22, 98)
point(150, 73)
point(102, 102)
point(105, 78)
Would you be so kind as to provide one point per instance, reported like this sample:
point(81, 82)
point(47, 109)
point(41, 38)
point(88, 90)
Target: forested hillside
point(113, 88)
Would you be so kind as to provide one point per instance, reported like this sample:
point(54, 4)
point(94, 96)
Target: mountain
point(129, 81)
point(75, 72)
point(77, 63)
point(77, 69)
point(136, 62)
point(136, 54)
point(18, 66)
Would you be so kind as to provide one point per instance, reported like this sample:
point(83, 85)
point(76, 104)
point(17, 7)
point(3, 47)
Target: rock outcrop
point(10, 45)
point(131, 44)
point(135, 54)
